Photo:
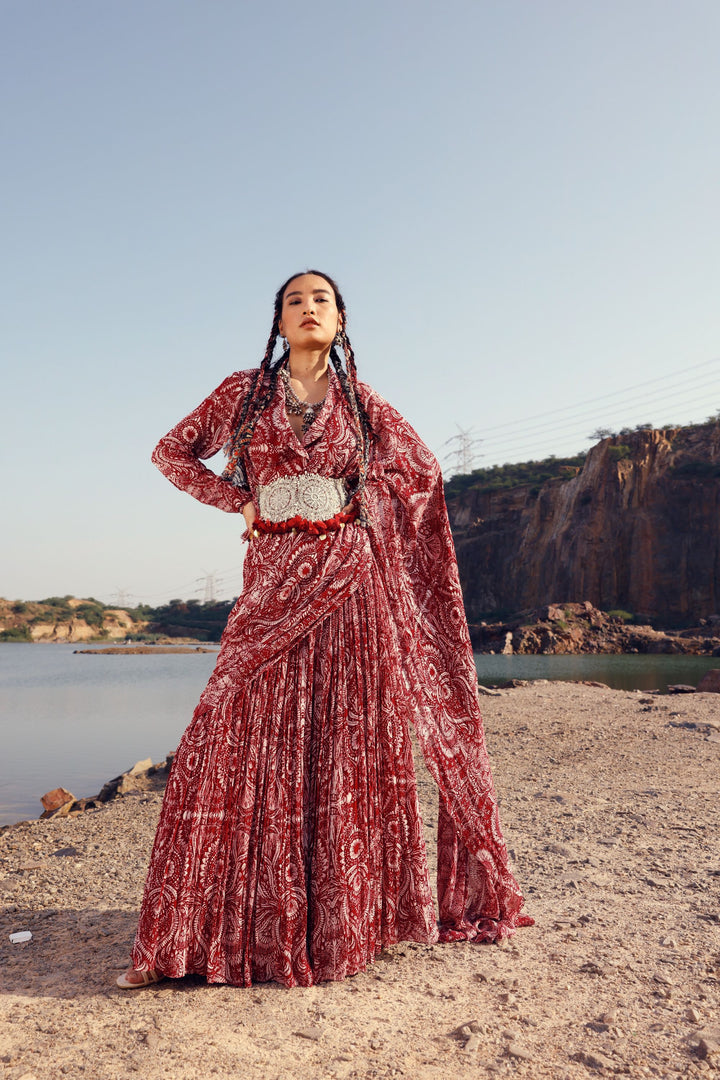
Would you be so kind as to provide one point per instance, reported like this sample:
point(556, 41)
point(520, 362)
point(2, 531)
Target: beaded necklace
point(296, 407)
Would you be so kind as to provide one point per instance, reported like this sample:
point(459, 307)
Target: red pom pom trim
point(301, 524)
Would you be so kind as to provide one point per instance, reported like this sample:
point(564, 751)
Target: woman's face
point(309, 318)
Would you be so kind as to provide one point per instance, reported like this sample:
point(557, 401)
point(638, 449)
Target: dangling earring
point(339, 339)
point(286, 346)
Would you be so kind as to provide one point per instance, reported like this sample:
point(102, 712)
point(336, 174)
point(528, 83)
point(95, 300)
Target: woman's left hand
point(249, 513)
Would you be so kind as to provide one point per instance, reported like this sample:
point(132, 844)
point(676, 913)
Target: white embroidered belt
point(309, 495)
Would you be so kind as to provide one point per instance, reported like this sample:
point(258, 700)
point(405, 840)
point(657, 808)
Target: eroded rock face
point(117, 624)
point(581, 628)
point(637, 529)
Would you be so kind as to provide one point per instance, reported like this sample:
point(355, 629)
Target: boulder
point(706, 1042)
point(710, 682)
point(553, 613)
point(53, 800)
point(140, 767)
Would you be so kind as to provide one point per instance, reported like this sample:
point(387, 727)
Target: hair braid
point(235, 468)
point(363, 427)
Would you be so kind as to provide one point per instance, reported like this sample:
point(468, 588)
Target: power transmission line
point(657, 399)
point(682, 372)
point(694, 390)
point(705, 403)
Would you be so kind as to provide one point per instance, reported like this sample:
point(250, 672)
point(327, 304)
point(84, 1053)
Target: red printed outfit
point(290, 843)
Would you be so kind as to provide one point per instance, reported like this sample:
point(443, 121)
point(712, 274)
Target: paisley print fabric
point(290, 845)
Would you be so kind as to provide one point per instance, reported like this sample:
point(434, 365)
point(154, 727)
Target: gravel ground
point(610, 805)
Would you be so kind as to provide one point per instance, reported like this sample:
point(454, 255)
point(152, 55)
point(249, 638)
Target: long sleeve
point(179, 454)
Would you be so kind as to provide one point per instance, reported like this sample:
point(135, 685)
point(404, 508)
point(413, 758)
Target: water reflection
point(624, 672)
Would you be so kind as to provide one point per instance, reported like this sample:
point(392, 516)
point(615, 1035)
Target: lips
point(309, 322)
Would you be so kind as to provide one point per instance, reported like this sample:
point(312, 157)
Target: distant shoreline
point(100, 645)
point(133, 650)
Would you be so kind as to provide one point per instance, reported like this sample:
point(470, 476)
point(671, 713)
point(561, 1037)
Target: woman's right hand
point(249, 513)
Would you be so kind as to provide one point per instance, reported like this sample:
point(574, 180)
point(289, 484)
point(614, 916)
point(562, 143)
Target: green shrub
point(139, 613)
point(516, 474)
point(16, 633)
point(619, 452)
point(618, 613)
point(93, 614)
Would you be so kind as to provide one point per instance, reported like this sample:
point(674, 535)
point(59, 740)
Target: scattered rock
point(706, 1042)
point(515, 1050)
point(140, 767)
point(314, 1034)
point(710, 682)
point(140, 777)
point(709, 1042)
point(56, 799)
point(681, 688)
point(594, 1060)
point(472, 1027)
point(662, 979)
point(567, 852)
point(591, 968)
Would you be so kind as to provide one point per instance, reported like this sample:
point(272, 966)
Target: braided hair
point(262, 390)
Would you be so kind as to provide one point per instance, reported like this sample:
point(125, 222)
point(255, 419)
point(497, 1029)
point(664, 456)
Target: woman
point(290, 843)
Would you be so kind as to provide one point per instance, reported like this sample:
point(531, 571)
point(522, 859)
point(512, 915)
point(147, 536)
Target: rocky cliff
point(638, 528)
point(64, 619)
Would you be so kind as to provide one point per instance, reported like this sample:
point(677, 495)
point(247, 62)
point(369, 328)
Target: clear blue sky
point(519, 200)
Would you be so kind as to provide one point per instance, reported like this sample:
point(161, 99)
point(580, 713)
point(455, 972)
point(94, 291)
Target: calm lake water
point(76, 721)
point(623, 672)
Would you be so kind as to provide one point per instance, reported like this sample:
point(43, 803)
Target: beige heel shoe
point(147, 978)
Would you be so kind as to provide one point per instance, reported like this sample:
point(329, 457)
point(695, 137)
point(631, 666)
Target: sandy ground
point(610, 802)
